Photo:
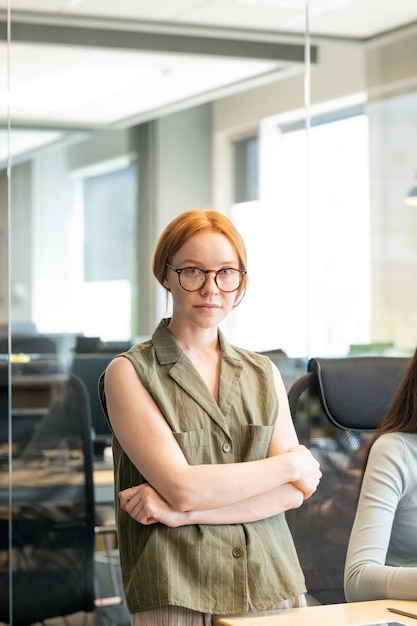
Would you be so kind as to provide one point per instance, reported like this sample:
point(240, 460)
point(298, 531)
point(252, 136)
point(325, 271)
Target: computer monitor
point(86, 345)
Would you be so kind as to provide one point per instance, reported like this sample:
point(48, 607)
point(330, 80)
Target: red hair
point(187, 224)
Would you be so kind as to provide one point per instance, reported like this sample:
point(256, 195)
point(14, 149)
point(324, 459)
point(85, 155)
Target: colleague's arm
point(135, 417)
point(386, 481)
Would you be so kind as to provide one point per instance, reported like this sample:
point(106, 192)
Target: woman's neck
point(203, 350)
point(195, 341)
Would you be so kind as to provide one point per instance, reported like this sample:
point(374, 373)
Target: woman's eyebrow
point(193, 263)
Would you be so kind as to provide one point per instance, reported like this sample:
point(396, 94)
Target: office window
point(308, 240)
point(110, 253)
point(246, 169)
point(110, 225)
point(338, 255)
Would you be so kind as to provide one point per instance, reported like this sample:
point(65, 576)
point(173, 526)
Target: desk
point(59, 485)
point(37, 390)
point(328, 615)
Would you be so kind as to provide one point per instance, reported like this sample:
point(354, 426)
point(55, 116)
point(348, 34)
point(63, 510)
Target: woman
point(381, 560)
point(205, 453)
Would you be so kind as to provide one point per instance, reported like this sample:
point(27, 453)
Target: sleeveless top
point(217, 569)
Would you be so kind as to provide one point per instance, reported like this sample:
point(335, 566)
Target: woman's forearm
point(147, 506)
point(258, 507)
point(197, 487)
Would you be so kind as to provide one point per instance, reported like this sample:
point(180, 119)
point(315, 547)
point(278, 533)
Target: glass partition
point(327, 151)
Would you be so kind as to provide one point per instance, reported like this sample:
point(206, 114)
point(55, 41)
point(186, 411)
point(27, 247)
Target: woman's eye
point(226, 271)
point(192, 271)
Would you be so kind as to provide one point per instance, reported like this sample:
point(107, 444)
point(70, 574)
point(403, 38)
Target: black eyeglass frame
point(207, 272)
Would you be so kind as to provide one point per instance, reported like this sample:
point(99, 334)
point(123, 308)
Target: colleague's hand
point(309, 470)
point(146, 506)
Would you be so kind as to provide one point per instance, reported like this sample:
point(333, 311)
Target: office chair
point(289, 368)
point(52, 519)
point(89, 367)
point(336, 407)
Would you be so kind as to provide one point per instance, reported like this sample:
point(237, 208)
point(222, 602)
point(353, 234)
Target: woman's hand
point(146, 506)
point(309, 470)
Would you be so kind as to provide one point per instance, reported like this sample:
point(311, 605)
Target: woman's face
point(208, 306)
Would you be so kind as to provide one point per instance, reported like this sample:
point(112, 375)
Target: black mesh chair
point(52, 518)
point(89, 367)
point(336, 407)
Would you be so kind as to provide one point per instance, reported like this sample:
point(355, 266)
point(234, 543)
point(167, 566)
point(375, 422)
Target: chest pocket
point(255, 442)
point(195, 445)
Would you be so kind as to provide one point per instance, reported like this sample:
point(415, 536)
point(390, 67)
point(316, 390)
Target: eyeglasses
point(228, 279)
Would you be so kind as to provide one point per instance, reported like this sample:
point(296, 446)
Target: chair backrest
point(52, 517)
point(289, 368)
point(89, 367)
point(336, 407)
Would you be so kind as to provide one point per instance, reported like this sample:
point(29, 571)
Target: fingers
point(312, 483)
point(129, 497)
point(309, 468)
point(136, 501)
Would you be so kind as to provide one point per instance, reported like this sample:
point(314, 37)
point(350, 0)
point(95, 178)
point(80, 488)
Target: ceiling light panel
point(99, 87)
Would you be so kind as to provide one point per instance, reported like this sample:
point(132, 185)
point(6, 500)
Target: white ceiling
point(94, 63)
point(347, 18)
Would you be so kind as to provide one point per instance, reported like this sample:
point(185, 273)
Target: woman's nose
point(211, 284)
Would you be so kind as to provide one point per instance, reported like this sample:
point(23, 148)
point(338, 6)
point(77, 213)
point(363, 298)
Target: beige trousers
point(179, 616)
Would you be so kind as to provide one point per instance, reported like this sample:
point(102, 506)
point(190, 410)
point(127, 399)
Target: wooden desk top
point(104, 477)
point(348, 614)
point(56, 475)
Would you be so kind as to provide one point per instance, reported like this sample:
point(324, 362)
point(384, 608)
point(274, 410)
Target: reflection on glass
point(52, 516)
point(87, 201)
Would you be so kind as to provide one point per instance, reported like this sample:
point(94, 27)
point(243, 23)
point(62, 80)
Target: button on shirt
point(238, 552)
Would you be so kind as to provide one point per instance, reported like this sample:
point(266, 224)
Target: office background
point(296, 119)
point(312, 161)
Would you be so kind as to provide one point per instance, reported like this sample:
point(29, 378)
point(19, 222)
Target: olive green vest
point(222, 569)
